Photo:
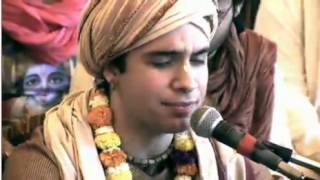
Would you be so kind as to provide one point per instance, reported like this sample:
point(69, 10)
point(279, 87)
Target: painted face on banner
point(45, 84)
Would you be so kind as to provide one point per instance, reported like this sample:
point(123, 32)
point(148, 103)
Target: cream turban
point(112, 27)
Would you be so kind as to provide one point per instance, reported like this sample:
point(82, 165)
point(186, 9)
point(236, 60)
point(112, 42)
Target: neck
point(138, 140)
point(144, 146)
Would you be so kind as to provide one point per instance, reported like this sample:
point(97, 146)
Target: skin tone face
point(164, 82)
point(44, 84)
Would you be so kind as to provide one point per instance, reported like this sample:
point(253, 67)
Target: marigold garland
point(107, 140)
point(114, 159)
point(187, 169)
point(99, 116)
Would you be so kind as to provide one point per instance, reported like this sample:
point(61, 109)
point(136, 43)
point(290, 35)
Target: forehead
point(187, 38)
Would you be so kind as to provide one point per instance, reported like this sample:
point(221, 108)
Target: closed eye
point(200, 57)
point(163, 59)
point(199, 61)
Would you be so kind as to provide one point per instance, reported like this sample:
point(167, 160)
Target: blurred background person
point(245, 84)
point(242, 72)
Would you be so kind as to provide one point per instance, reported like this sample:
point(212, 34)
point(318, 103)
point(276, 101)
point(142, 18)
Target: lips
point(181, 108)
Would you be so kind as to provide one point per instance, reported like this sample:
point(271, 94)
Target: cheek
point(202, 79)
point(147, 82)
point(203, 87)
point(202, 75)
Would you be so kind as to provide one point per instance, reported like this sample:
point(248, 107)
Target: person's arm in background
point(282, 22)
point(289, 24)
point(279, 129)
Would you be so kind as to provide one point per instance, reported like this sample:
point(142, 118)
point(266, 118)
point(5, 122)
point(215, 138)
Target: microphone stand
point(263, 155)
point(287, 155)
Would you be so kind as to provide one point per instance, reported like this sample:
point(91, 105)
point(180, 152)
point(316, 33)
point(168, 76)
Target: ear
point(111, 74)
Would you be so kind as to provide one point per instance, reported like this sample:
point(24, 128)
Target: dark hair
point(103, 84)
point(120, 63)
point(237, 2)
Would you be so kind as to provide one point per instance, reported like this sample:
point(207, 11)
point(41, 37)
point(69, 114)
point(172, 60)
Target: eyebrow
point(175, 53)
point(31, 76)
point(57, 73)
point(201, 51)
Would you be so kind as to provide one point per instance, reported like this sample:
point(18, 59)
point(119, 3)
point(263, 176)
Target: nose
point(43, 86)
point(184, 80)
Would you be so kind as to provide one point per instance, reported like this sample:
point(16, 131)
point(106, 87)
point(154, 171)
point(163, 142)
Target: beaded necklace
point(114, 159)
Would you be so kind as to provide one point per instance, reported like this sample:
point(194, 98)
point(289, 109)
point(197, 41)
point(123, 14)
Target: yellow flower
point(107, 140)
point(122, 175)
point(98, 100)
point(184, 144)
point(121, 172)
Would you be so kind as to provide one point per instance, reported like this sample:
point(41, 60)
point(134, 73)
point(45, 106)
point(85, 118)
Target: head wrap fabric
point(110, 28)
point(48, 31)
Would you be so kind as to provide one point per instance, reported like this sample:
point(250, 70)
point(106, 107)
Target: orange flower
point(100, 116)
point(113, 158)
point(187, 169)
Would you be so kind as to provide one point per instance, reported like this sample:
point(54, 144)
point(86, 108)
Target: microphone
point(207, 122)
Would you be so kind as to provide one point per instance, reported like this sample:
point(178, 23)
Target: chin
point(177, 128)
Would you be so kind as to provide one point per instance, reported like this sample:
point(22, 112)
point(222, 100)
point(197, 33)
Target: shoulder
point(32, 160)
point(249, 36)
point(258, 47)
point(260, 54)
